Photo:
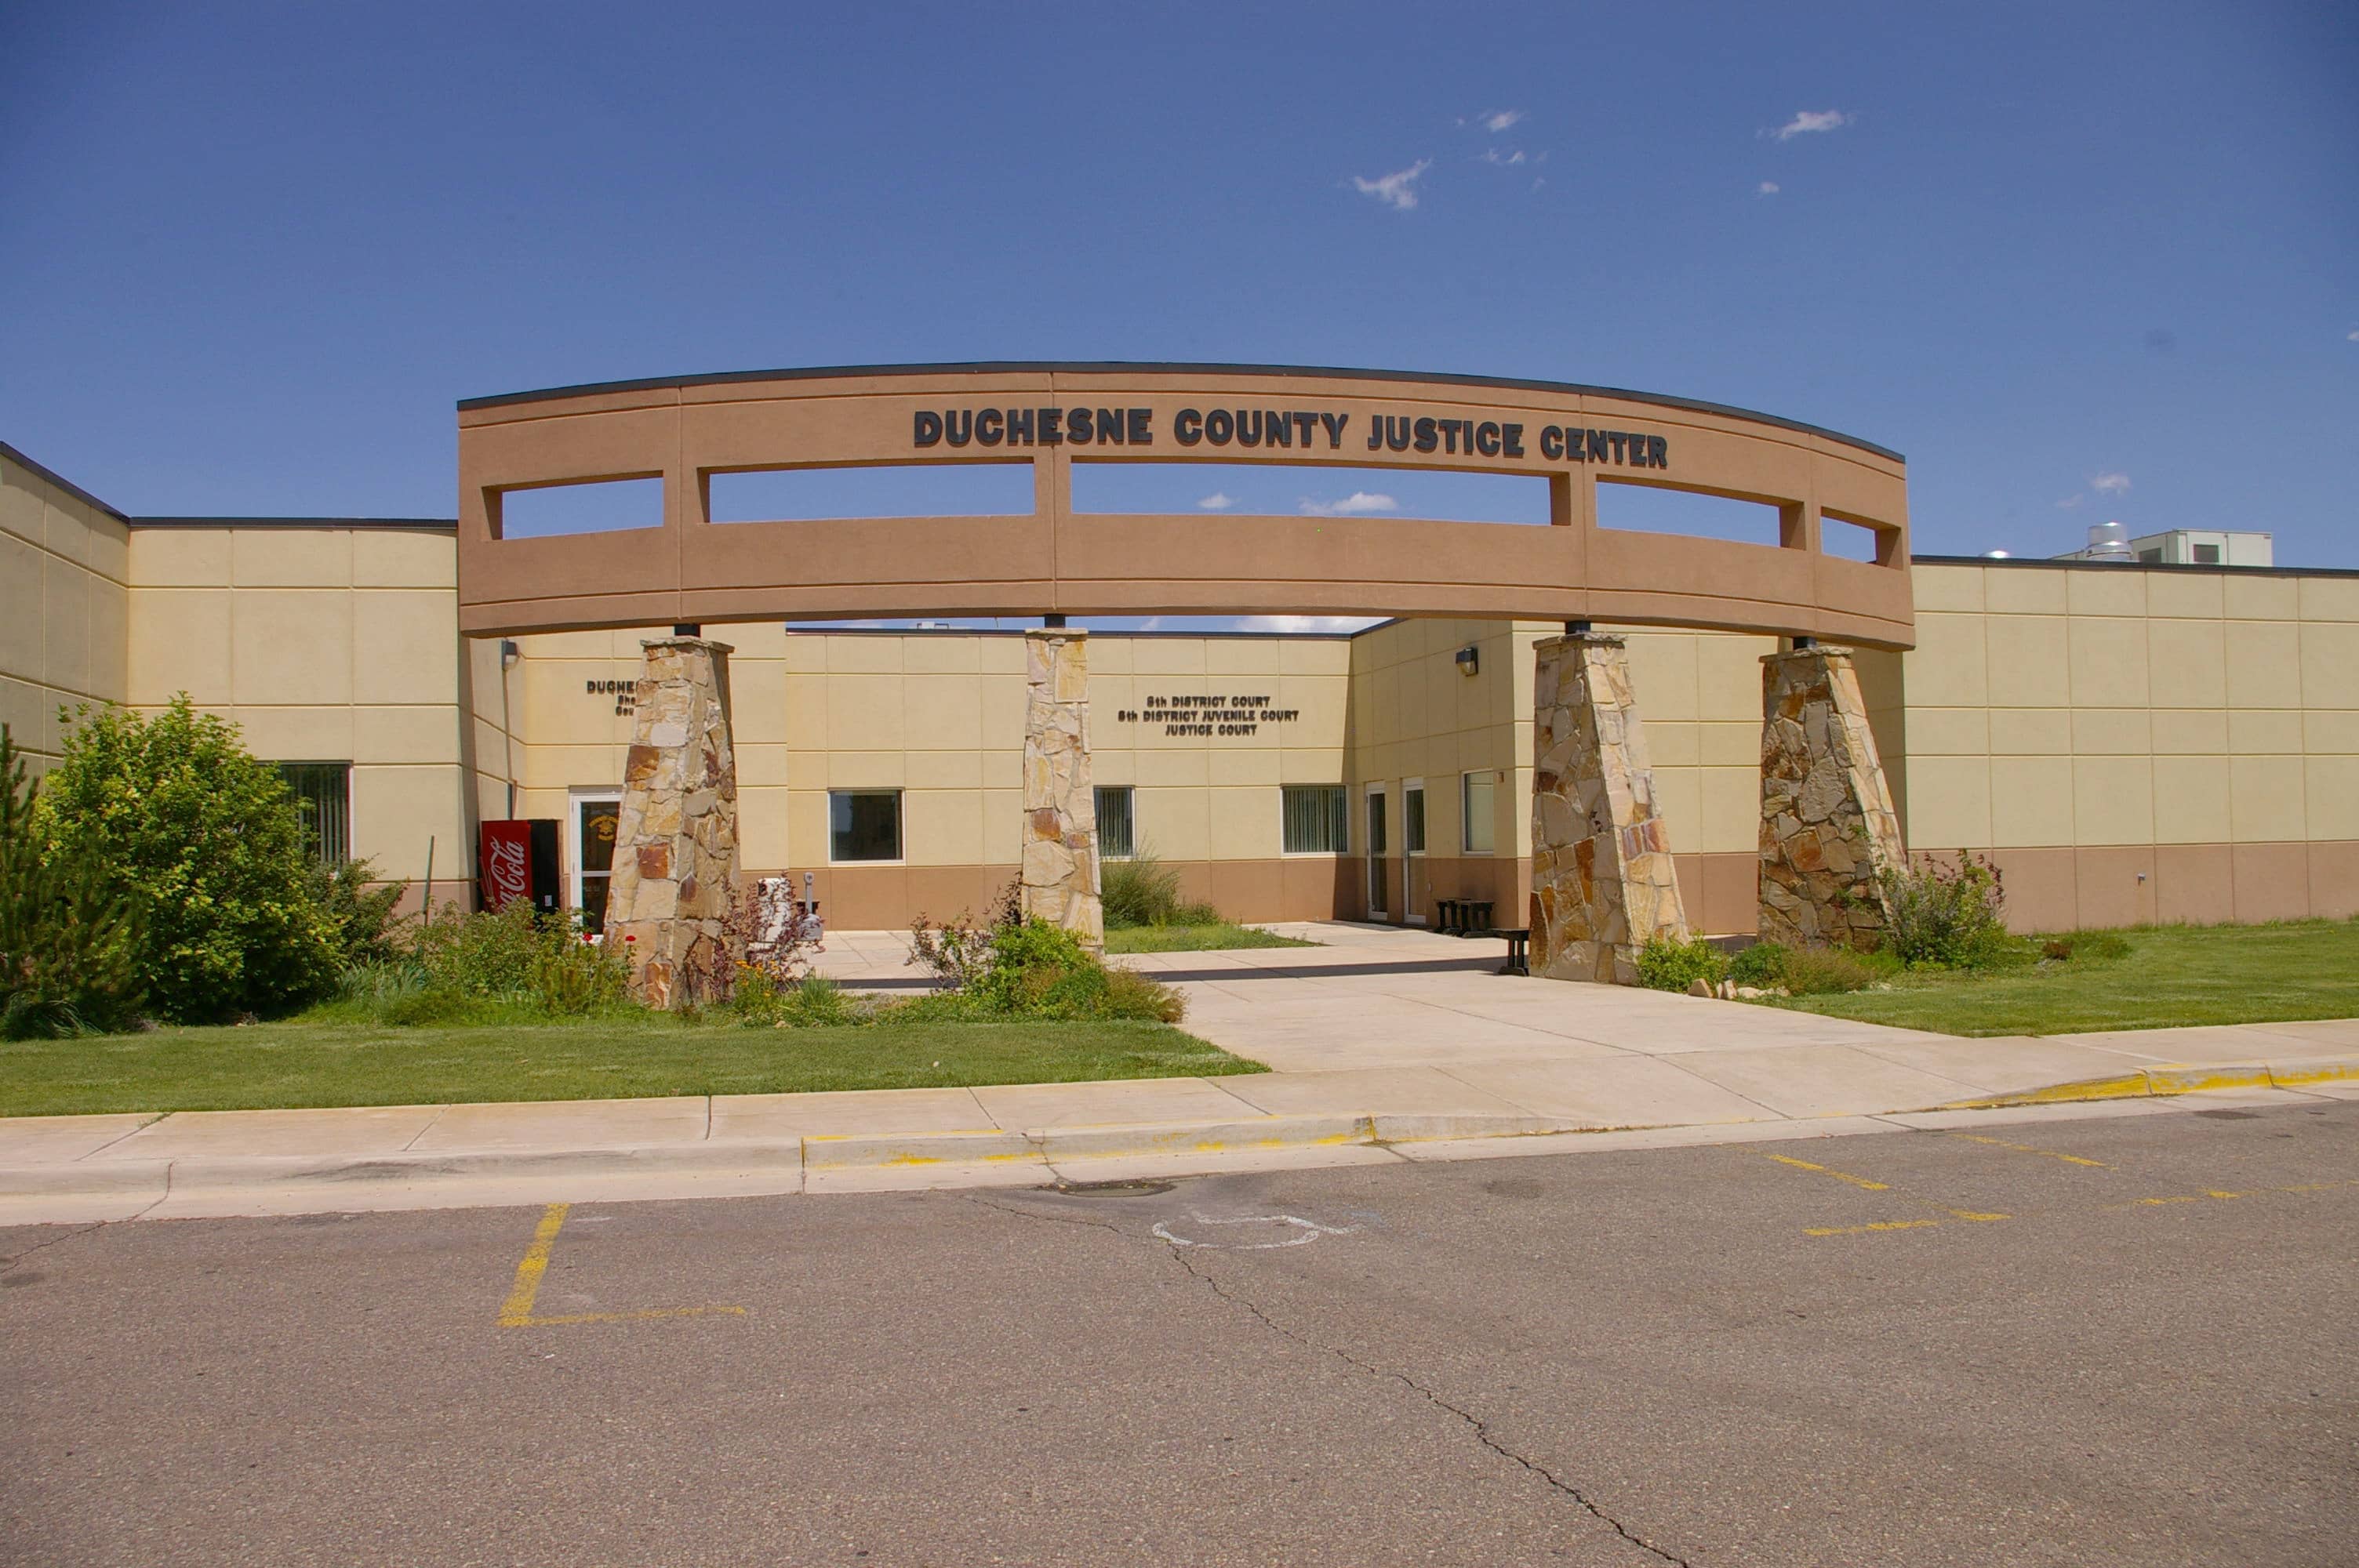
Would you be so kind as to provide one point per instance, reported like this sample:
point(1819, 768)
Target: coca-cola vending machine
point(517, 859)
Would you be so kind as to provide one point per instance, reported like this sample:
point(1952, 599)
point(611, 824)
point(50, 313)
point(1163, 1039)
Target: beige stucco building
point(2130, 742)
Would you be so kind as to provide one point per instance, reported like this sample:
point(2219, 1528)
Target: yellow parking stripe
point(516, 1311)
point(1861, 1182)
point(2028, 1149)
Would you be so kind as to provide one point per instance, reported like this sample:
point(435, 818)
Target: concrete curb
point(988, 1155)
point(2169, 1078)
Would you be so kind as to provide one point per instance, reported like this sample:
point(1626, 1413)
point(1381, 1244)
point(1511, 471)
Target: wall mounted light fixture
point(1470, 661)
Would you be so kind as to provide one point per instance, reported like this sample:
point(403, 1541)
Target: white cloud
point(1809, 120)
point(2110, 483)
point(2350, 337)
point(1769, 187)
point(2069, 502)
point(1505, 160)
point(1397, 190)
point(1305, 623)
point(1351, 505)
point(1219, 500)
point(1499, 120)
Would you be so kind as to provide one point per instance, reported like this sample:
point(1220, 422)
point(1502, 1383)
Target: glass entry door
point(594, 820)
point(1412, 851)
point(1377, 848)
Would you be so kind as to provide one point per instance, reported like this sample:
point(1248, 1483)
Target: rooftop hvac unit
point(2109, 542)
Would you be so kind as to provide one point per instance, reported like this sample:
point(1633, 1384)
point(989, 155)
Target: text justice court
point(1282, 428)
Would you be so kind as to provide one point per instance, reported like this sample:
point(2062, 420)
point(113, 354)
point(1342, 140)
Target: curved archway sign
point(1602, 878)
point(1056, 560)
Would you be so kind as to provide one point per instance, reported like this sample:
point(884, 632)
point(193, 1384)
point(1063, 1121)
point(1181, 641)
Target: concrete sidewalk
point(1387, 1044)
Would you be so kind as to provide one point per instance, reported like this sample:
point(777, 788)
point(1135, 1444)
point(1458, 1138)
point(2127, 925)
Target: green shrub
point(1763, 965)
point(1143, 890)
point(515, 956)
point(208, 843)
point(1947, 918)
point(1816, 971)
point(1665, 965)
point(360, 915)
point(1027, 967)
point(509, 967)
point(760, 997)
point(68, 940)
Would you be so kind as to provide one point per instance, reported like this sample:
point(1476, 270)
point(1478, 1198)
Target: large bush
point(208, 844)
point(68, 940)
point(1947, 917)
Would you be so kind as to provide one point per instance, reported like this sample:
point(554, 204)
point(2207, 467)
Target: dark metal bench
point(1518, 938)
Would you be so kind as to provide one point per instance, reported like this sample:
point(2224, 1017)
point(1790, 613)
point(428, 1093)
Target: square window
point(1117, 827)
point(2207, 555)
point(1413, 819)
point(864, 824)
point(1316, 820)
point(1477, 795)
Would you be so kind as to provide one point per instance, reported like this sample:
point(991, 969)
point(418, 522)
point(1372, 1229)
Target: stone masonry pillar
point(1060, 813)
point(1828, 829)
point(676, 839)
point(1602, 878)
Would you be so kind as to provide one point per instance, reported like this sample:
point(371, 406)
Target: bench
point(1518, 940)
point(1462, 916)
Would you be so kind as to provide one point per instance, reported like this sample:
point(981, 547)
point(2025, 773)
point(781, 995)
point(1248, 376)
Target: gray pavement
point(2098, 1335)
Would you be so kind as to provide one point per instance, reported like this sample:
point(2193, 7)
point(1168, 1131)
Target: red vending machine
point(517, 859)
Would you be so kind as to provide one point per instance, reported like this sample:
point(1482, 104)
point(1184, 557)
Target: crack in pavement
point(1475, 1425)
point(11, 1262)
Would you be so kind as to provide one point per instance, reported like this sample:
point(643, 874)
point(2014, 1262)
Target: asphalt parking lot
point(2123, 1339)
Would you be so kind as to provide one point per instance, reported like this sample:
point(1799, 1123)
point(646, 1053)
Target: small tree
point(208, 843)
point(68, 941)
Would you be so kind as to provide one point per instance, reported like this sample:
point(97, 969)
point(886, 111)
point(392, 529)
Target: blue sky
point(2076, 261)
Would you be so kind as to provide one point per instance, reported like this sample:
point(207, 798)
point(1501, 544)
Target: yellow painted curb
point(2165, 1080)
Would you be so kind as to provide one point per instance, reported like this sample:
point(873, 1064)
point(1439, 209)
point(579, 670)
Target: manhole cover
point(1108, 1189)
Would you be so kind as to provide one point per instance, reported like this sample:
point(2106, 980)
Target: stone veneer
point(1828, 829)
point(1060, 813)
point(1602, 875)
point(676, 839)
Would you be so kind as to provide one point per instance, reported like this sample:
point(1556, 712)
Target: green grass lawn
point(2173, 975)
point(300, 1062)
point(1194, 939)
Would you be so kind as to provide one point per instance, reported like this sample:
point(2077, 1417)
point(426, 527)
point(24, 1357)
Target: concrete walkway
point(1385, 1043)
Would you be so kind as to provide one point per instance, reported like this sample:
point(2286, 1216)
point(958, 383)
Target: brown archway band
point(1056, 560)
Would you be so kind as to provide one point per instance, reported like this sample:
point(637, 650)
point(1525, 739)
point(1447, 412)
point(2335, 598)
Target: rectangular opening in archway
point(1307, 489)
point(1855, 540)
point(880, 489)
point(1693, 514)
point(599, 506)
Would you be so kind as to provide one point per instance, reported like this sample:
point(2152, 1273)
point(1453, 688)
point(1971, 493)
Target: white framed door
point(1413, 887)
point(590, 816)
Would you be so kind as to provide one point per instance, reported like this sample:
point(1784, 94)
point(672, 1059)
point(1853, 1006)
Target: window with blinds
point(1477, 803)
point(1117, 823)
point(1316, 820)
point(323, 793)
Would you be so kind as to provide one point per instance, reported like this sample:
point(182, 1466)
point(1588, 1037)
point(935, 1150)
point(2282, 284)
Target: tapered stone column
point(676, 839)
point(1828, 829)
point(1060, 812)
point(1601, 877)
